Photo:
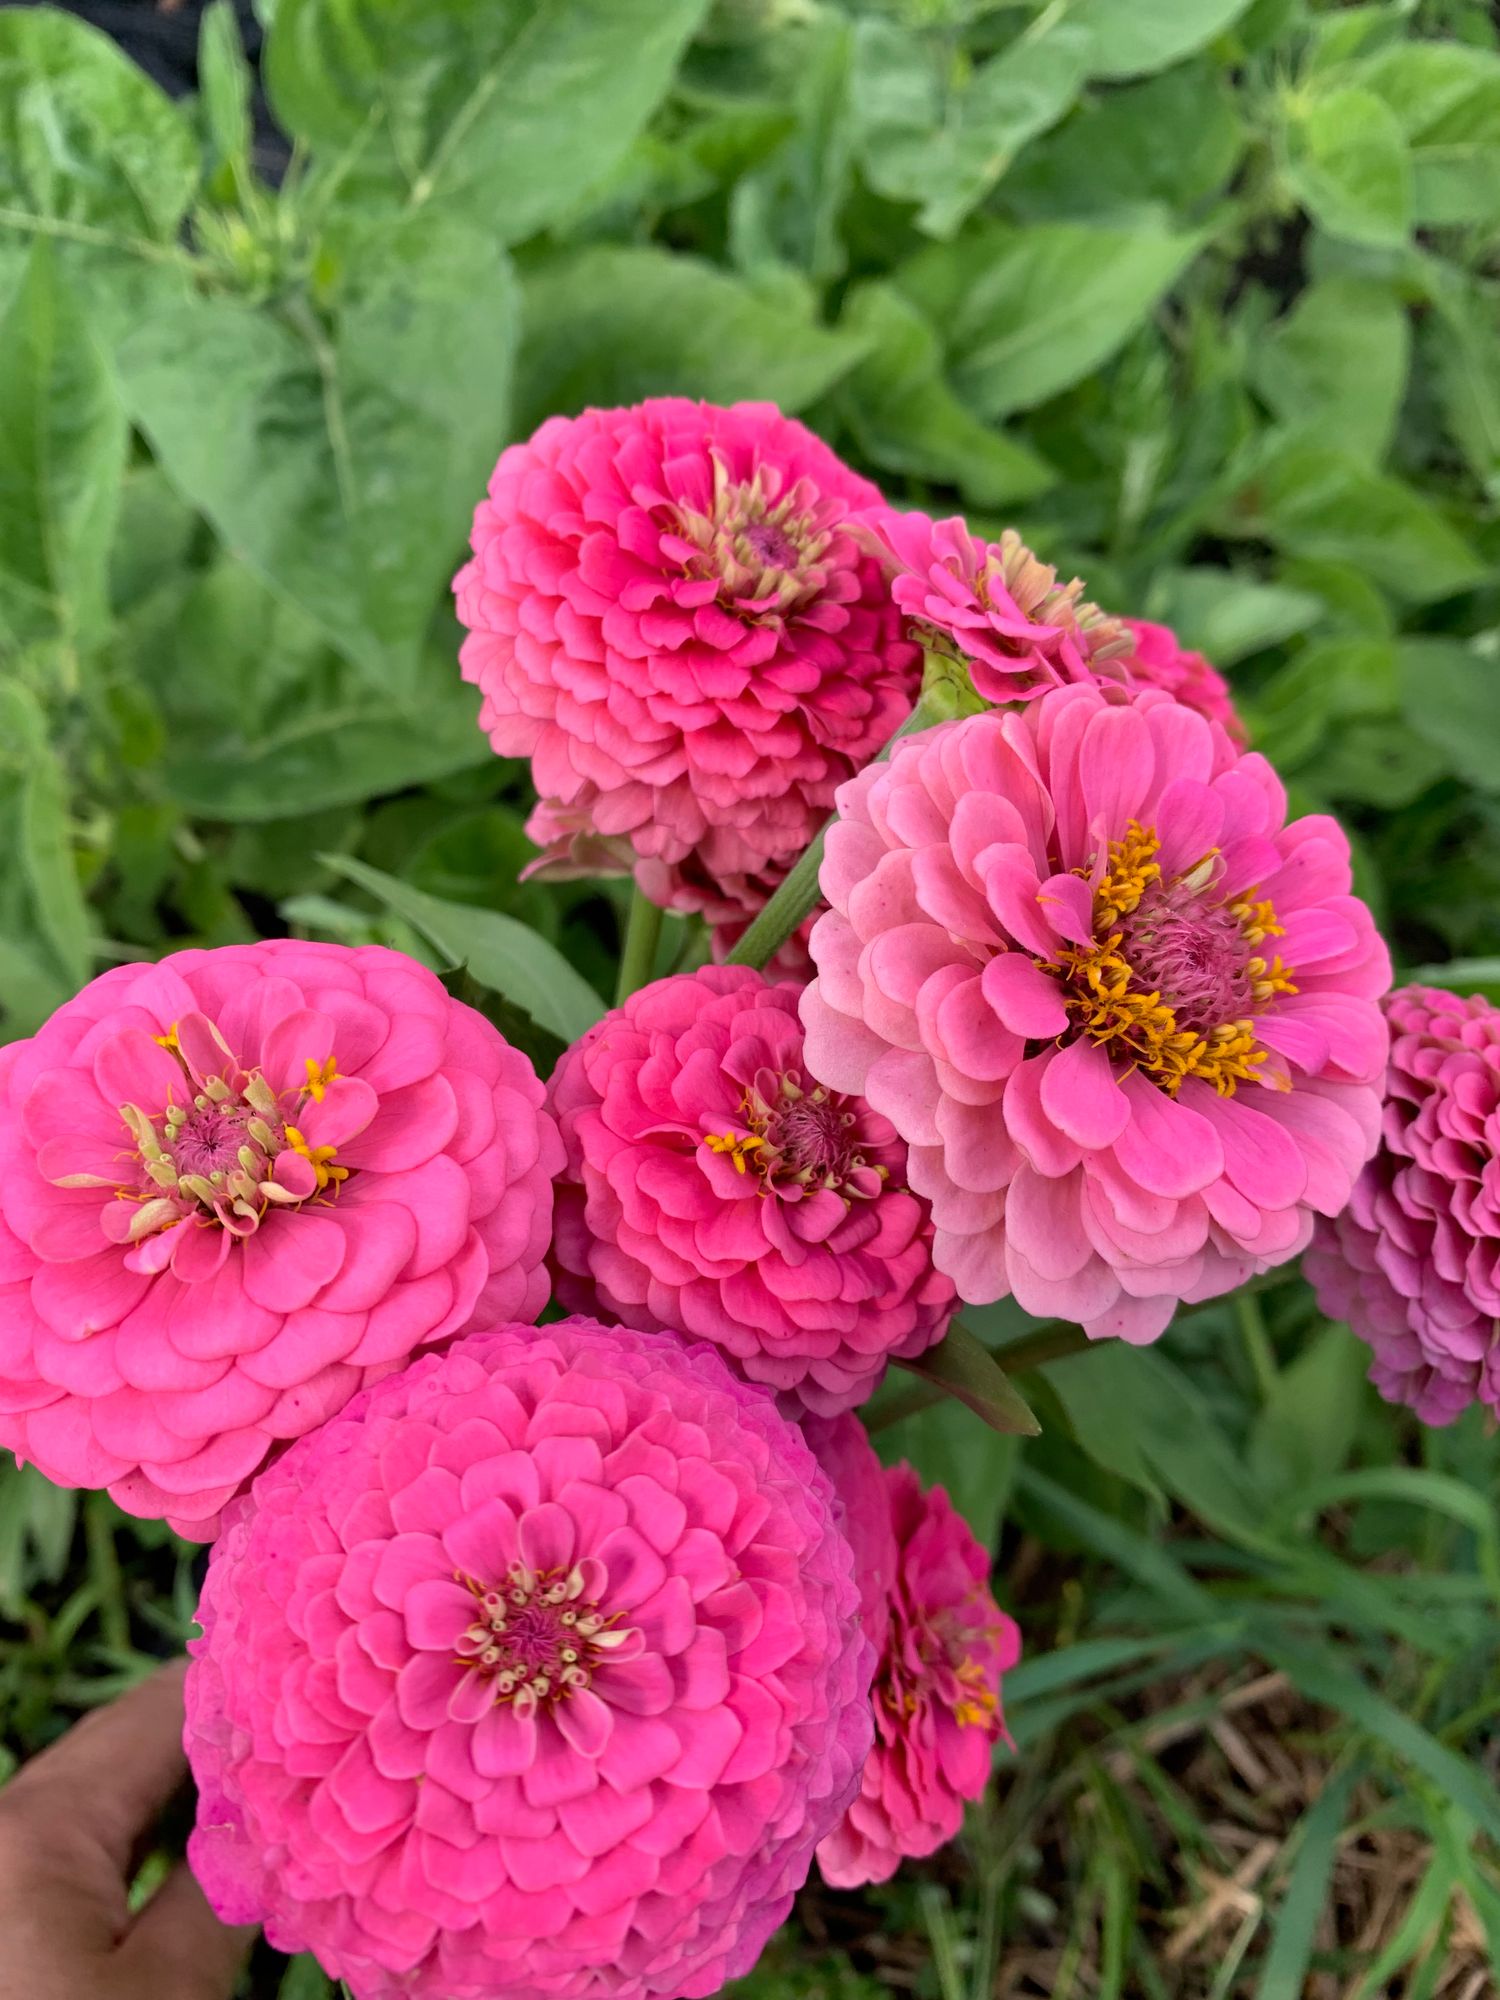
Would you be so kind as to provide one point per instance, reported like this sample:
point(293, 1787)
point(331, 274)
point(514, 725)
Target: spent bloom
point(1126, 1018)
point(238, 1186)
point(1158, 659)
point(994, 606)
point(536, 1672)
point(943, 1645)
point(712, 1186)
point(668, 614)
point(1413, 1263)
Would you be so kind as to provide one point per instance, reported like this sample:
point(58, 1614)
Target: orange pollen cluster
point(1117, 1008)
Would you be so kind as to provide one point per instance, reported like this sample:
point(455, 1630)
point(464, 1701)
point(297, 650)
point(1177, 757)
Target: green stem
point(104, 1563)
point(638, 957)
point(1257, 1342)
point(797, 894)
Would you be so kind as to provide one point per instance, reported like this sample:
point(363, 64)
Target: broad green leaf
point(1348, 165)
point(611, 325)
point(1283, 1973)
point(500, 953)
point(63, 440)
point(1171, 142)
point(1331, 683)
point(1033, 310)
point(963, 1367)
point(41, 905)
point(1335, 368)
point(1137, 37)
point(787, 208)
point(1450, 694)
point(225, 84)
point(1446, 98)
point(1307, 1427)
point(943, 140)
point(1315, 500)
point(86, 138)
point(1228, 617)
point(976, 1471)
point(339, 450)
point(906, 418)
point(1463, 342)
point(507, 109)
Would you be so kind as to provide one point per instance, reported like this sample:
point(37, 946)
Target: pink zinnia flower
point(943, 1643)
point(537, 1672)
point(713, 1187)
point(1413, 1263)
point(1124, 1016)
point(668, 615)
point(1160, 660)
point(995, 607)
point(238, 1186)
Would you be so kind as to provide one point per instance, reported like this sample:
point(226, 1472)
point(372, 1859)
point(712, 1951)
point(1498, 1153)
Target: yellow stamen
point(1131, 870)
point(318, 1158)
point(737, 1144)
point(169, 1041)
point(319, 1076)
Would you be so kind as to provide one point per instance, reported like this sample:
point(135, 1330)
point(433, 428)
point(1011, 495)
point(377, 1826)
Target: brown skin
point(70, 1824)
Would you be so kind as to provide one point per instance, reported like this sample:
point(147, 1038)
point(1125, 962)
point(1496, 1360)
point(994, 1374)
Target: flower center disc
point(540, 1636)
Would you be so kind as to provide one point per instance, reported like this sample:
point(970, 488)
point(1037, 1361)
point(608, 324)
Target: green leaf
point(1463, 975)
point(1335, 367)
point(1450, 695)
point(1307, 1426)
point(1228, 617)
point(225, 84)
point(339, 453)
point(41, 903)
point(1283, 1973)
point(943, 140)
point(611, 325)
point(1463, 342)
point(1314, 500)
point(977, 1473)
point(1348, 165)
point(61, 462)
point(1445, 96)
point(85, 136)
point(500, 953)
point(963, 1366)
point(1149, 1563)
point(907, 419)
point(507, 109)
point(1034, 310)
point(1330, 683)
point(1137, 37)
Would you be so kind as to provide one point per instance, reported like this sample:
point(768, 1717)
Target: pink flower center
point(764, 548)
point(540, 1636)
point(1193, 952)
point(802, 1140)
point(944, 1661)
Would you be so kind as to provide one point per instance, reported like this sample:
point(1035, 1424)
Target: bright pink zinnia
point(944, 1644)
point(1124, 1016)
point(714, 1188)
point(1160, 660)
point(668, 615)
point(238, 1186)
point(1413, 1263)
point(994, 606)
point(537, 1672)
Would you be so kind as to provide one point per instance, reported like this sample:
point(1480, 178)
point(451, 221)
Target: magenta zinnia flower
point(668, 615)
point(943, 1646)
point(713, 1187)
point(1160, 660)
point(238, 1186)
point(1124, 1016)
point(537, 1672)
point(994, 606)
point(1413, 1263)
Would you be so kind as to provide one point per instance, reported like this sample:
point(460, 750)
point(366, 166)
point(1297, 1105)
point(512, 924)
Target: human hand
point(71, 1823)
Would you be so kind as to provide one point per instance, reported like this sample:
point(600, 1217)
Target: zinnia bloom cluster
point(995, 607)
point(669, 615)
point(536, 1672)
point(239, 1185)
point(1413, 1263)
point(1125, 1017)
point(714, 1187)
point(1158, 659)
point(943, 1646)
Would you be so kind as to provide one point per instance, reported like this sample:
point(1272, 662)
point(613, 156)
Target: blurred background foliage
point(1199, 294)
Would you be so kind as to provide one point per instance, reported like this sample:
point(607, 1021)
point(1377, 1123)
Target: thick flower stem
point(638, 958)
point(796, 895)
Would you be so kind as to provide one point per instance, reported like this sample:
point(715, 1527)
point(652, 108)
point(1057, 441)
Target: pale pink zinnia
point(668, 615)
point(1125, 1017)
point(713, 1187)
point(536, 1673)
point(943, 1646)
point(1413, 1263)
point(995, 607)
point(1159, 659)
point(239, 1185)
